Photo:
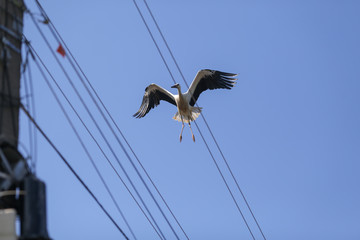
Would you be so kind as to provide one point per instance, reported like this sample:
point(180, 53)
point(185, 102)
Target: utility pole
point(21, 193)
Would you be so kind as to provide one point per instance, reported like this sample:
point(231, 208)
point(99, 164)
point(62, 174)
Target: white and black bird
point(204, 80)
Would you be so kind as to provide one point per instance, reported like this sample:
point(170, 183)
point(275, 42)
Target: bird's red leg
point(181, 129)
point(193, 137)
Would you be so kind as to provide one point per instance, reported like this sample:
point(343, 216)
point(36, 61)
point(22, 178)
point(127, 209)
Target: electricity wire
point(121, 133)
point(31, 84)
point(29, 107)
point(99, 129)
point(123, 148)
point(30, 100)
point(71, 169)
point(101, 132)
point(173, 79)
point(59, 38)
point(82, 142)
point(206, 123)
point(195, 122)
point(94, 139)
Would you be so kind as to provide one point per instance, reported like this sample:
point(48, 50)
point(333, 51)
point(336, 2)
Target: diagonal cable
point(206, 123)
point(173, 79)
point(33, 110)
point(82, 144)
point(24, 70)
point(59, 39)
point(103, 135)
point(29, 87)
point(96, 142)
point(72, 170)
point(107, 142)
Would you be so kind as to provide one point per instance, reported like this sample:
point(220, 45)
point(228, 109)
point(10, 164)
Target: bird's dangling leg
point(193, 137)
point(181, 129)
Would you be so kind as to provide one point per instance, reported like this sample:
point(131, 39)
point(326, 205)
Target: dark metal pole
point(23, 191)
point(11, 25)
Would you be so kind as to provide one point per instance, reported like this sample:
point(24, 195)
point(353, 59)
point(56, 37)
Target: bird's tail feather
point(195, 113)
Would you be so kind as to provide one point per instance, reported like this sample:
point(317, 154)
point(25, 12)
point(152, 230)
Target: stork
point(205, 79)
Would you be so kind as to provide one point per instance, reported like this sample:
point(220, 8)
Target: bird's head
point(176, 86)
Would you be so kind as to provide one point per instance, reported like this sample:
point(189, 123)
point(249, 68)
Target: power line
point(98, 127)
point(92, 136)
point(206, 123)
point(172, 77)
point(29, 106)
point(29, 91)
point(71, 169)
point(82, 143)
point(122, 135)
point(60, 39)
point(33, 109)
point(227, 186)
point(154, 41)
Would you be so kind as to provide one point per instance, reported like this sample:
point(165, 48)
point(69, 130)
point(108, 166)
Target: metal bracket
point(14, 172)
point(6, 42)
point(4, 175)
point(11, 32)
point(5, 163)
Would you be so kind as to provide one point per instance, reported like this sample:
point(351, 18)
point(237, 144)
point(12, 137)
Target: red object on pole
point(61, 50)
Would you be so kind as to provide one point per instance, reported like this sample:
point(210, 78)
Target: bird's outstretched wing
point(209, 79)
point(153, 95)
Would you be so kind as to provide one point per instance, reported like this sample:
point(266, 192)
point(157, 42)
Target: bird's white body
point(185, 113)
point(204, 80)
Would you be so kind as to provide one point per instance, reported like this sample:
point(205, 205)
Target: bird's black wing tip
point(136, 115)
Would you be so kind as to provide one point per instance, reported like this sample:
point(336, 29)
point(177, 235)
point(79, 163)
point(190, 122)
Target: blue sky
point(289, 129)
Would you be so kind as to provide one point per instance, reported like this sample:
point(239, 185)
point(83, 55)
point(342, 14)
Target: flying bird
point(205, 79)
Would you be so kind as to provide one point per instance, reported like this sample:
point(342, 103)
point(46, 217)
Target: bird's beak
point(174, 86)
